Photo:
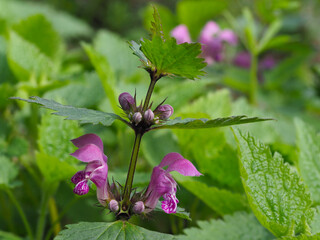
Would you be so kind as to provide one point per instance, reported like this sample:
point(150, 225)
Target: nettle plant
point(275, 193)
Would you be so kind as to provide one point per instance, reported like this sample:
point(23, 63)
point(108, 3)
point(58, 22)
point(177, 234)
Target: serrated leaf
point(220, 200)
point(119, 230)
point(169, 58)
point(239, 226)
point(136, 48)
point(302, 237)
point(309, 156)
point(193, 123)
point(156, 25)
point(8, 172)
point(275, 192)
point(181, 213)
point(72, 113)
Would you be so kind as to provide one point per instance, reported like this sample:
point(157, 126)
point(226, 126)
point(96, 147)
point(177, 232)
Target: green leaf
point(181, 213)
point(315, 225)
point(37, 30)
point(156, 25)
point(220, 200)
point(8, 236)
point(309, 155)
point(302, 237)
point(272, 30)
point(105, 73)
point(117, 53)
point(239, 226)
point(168, 19)
point(54, 169)
point(55, 135)
point(193, 123)
point(136, 48)
point(72, 113)
point(67, 25)
point(8, 172)
point(25, 59)
point(119, 230)
point(169, 58)
point(275, 192)
point(87, 85)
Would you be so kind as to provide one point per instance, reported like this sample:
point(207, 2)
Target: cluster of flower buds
point(138, 116)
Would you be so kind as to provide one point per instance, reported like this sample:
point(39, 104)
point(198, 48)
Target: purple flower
point(163, 185)
point(181, 34)
point(242, 60)
point(212, 39)
point(164, 111)
point(126, 101)
point(91, 152)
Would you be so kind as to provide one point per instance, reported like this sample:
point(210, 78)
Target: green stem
point(21, 212)
point(54, 216)
point(149, 93)
point(135, 151)
point(42, 216)
point(132, 168)
point(253, 79)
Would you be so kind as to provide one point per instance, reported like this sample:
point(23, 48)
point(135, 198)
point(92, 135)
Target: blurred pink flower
point(181, 34)
point(91, 152)
point(163, 185)
point(212, 39)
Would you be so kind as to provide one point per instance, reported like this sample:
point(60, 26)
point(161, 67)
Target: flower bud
point(149, 116)
point(138, 207)
point(126, 101)
point(164, 111)
point(137, 117)
point(113, 206)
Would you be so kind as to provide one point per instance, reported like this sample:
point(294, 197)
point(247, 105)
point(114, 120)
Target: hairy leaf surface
point(72, 113)
point(193, 123)
point(275, 192)
point(239, 226)
point(309, 157)
point(119, 230)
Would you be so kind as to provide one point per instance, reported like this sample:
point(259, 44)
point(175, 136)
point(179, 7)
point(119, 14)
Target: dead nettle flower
point(212, 39)
point(91, 152)
point(148, 116)
point(137, 117)
point(127, 102)
point(163, 185)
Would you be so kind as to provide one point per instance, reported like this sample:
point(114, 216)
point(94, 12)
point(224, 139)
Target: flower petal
point(81, 188)
point(79, 176)
point(176, 162)
point(228, 36)
point(181, 34)
point(170, 203)
point(89, 153)
point(208, 32)
point(88, 139)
